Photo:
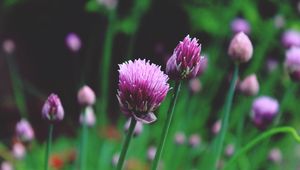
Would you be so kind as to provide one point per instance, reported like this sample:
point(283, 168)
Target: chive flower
point(142, 88)
point(24, 130)
point(53, 109)
point(264, 109)
point(240, 25)
point(186, 62)
point(86, 96)
point(292, 63)
point(240, 48)
point(249, 86)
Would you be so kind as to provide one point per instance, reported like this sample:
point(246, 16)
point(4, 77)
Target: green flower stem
point(17, 86)
point(126, 144)
point(265, 135)
point(105, 67)
point(166, 126)
point(48, 148)
point(84, 140)
point(225, 118)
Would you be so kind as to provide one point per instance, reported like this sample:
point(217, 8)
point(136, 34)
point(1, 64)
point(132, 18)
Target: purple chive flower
point(292, 63)
point(279, 21)
point(53, 109)
point(6, 166)
point(24, 130)
point(109, 4)
point(229, 150)
point(151, 153)
point(8, 46)
point(240, 48)
point(138, 127)
point(86, 96)
point(249, 86)
point(194, 140)
point(88, 117)
point(195, 85)
point(275, 155)
point(290, 38)
point(73, 42)
point(142, 88)
point(18, 150)
point(240, 25)
point(264, 109)
point(186, 62)
point(216, 127)
point(179, 138)
point(271, 64)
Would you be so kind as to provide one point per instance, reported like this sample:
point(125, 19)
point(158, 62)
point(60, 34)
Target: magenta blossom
point(142, 88)
point(53, 109)
point(186, 62)
point(292, 63)
point(240, 25)
point(264, 109)
point(291, 38)
point(24, 130)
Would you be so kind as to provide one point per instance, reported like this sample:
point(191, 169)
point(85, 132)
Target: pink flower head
point(86, 96)
point(194, 140)
point(151, 153)
point(186, 62)
point(179, 138)
point(249, 86)
point(240, 25)
point(216, 127)
point(195, 85)
point(290, 38)
point(18, 150)
point(229, 150)
point(292, 63)
point(264, 109)
point(8, 46)
point(53, 109)
point(240, 48)
point(24, 130)
point(6, 166)
point(142, 88)
point(88, 117)
point(73, 42)
point(138, 127)
point(275, 155)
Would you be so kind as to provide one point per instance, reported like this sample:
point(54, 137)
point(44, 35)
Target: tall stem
point(48, 148)
point(126, 144)
point(225, 117)
point(166, 126)
point(84, 138)
point(260, 138)
point(105, 67)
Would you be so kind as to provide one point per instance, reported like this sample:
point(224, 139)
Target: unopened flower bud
point(53, 109)
point(73, 42)
point(240, 25)
point(291, 38)
point(264, 109)
point(151, 153)
point(292, 63)
point(249, 86)
point(194, 140)
point(24, 130)
point(138, 127)
point(86, 96)
point(186, 62)
point(275, 155)
point(240, 48)
point(88, 117)
point(179, 138)
point(18, 150)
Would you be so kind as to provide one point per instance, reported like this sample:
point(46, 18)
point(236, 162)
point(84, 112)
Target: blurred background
point(37, 59)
